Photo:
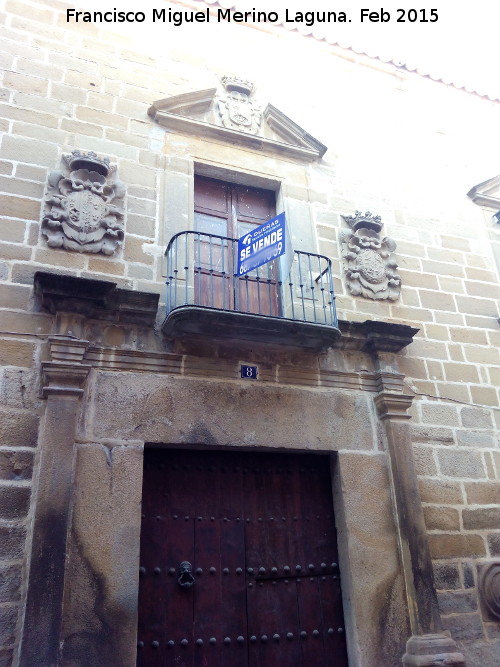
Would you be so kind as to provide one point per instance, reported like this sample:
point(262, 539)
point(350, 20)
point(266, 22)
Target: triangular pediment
point(487, 193)
point(231, 115)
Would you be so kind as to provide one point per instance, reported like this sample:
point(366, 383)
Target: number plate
point(249, 372)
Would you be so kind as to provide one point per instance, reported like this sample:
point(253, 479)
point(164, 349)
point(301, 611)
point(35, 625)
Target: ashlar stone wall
point(400, 145)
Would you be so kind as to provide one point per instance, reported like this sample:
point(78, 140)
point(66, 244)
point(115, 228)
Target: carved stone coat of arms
point(236, 108)
point(370, 267)
point(82, 208)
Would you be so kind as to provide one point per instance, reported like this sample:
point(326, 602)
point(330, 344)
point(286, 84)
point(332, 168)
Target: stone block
point(492, 290)
point(59, 257)
point(14, 296)
point(457, 602)
point(14, 501)
point(472, 438)
point(465, 335)
point(437, 300)
point(494, 544)
point(477, 306)
point(6, 657)
point(454, 391)
point(10, 582)
point(104, 547)
point(14, 251)
point(12, 541)
point(133, 251)
point(476, 418)
point(442, 268)
point(485, 396)
point(441, 492)
point(19, 207)
point(88, 129)
point(456, 372)
point(12, 231)
point(368, 557)
point(468, 571)
point(25, 150)
point(483, 518)
point(456, 546)
point(16, 353)
point(8, 622)
point(439, 414)
point(466, 627)
point(101, 118)
point(18, 428)
point(431, 434)
point(463, 464)
point(482, 493)
point(428, 349)
point(441, 518)
point(456, 243)
point(425, 463)
point(16, 464)
point(446, 576)
point(25, 83)
point(451, 285)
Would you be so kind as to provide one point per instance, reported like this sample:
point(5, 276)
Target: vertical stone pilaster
point(429, 646)
point(63, 380)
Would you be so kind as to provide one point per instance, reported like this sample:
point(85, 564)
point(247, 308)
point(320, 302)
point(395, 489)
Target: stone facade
point(88, 379)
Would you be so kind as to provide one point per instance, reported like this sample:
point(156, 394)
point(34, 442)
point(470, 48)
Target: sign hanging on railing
point(262, 244)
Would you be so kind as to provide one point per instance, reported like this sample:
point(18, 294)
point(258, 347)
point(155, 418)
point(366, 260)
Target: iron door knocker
point(186, 579)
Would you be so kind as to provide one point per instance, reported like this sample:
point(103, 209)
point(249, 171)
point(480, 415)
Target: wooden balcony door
point(258, 533)
point(229, 210)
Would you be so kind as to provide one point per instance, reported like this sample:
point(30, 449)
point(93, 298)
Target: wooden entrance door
point(229, 210)
point(259, 535)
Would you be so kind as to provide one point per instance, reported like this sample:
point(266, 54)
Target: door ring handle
point(186, 579)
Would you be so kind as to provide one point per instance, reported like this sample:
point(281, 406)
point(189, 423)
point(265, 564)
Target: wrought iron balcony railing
point(201, 273)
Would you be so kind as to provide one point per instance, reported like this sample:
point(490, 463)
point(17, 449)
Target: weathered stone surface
point(494, 544)
point(6, 657)
point(462, 464)
point(100, 601)
point(19, 388)
point(10, 583)
point(475, 439)
point(14, 501)
point(476, 418)
point(482, 518)
point(464, 626)
point(439, 414)
point(456, 546)
point(468, 575)
point(192, 410)
point(446, 576)
point(368, 553)
point(458, 602)
point(12, 539)
point(481, 653)
point(15, 464)
point(440, 492)
point(441, 518)
point(18, 428)
point(8, 620)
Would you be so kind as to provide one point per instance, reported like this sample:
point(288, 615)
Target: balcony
point(207, 299)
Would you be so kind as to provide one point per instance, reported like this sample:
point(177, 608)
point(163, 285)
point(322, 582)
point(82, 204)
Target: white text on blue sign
point(261, 245)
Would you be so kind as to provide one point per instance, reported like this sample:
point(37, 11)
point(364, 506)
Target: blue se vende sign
point(261, 245)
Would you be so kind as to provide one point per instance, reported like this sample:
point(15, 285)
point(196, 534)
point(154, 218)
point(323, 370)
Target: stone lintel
point(95, 299)
point(393, 406)
point(432, 650)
